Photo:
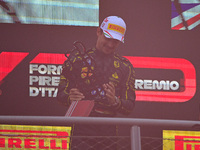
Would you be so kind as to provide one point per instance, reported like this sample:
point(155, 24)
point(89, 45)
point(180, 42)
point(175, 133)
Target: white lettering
point(32, 68)
point(156, 85)
point(43, 91)
point(59, 69)
point(138, 84)
point(160, 85)
point(33, 79)
point(42, 69)
point(52, 69)
point(33, 91)
point(55, 93)
point(174, 85)
point(44, 80)
point(55, 81)
point(147, 84)
point(44, 75)
point(45, 69)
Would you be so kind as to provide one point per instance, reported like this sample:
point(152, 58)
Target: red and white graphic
point(185, 14)
point(8, 61)
point(183, 65)
point(80, 108)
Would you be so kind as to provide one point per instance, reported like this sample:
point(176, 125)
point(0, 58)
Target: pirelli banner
point(34, 137)
point(181, 140)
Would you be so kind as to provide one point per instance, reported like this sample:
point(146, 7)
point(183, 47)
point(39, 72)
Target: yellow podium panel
point(181, 140)
point(34, 137)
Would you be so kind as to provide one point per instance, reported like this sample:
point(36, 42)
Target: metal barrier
point(135, 123)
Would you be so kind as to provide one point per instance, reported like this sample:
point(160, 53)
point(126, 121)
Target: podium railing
point(135, 123)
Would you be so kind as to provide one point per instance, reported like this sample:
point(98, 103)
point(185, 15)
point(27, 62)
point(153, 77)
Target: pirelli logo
point(116, 28)
point(181, 140)
point(34, 137)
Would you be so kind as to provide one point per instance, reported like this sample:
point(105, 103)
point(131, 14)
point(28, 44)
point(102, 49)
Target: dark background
point(148, 34)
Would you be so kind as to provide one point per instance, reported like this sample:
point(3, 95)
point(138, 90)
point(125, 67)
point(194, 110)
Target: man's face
point(106, 45)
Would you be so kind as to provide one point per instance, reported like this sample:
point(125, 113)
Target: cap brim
point(113, 36)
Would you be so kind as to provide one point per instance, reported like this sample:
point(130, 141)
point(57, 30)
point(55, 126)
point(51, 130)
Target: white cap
point(114, 27)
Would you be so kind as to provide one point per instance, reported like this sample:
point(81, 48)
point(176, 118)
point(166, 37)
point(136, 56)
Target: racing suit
point(102, 68)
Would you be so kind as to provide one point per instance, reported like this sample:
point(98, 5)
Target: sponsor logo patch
point(116, 28)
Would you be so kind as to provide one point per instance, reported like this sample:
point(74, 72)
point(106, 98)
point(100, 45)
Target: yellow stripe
point(116, 28)
point(128, 81)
